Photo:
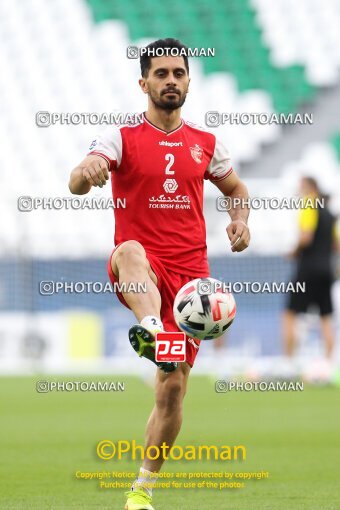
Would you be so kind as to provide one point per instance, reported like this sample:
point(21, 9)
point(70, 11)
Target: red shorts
point(168, 284)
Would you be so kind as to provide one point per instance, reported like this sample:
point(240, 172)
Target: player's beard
point(168, 104)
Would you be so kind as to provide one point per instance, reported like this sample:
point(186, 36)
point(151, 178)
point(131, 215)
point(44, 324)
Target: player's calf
point(130, 265)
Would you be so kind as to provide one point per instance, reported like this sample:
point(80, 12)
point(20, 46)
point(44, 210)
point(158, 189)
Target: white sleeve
point(219, 166)
point(108, 144)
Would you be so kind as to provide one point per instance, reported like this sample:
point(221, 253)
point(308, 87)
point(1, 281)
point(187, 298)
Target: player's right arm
point(92, 171)
point(105, 156)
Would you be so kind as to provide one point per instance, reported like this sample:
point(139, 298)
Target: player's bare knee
point(132, 254)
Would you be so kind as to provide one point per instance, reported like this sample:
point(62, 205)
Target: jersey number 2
point(171, 158)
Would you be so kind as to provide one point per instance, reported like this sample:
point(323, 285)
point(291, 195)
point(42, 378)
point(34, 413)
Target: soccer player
point(159, 165)
point(313, 254)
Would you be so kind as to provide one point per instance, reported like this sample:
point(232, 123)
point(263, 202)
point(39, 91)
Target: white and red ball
point(203, 309)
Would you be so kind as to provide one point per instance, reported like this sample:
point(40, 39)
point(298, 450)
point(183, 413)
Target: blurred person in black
point(313, 254)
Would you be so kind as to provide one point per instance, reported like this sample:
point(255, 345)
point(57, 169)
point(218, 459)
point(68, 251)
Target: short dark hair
point(311, 182)
point(145, 58)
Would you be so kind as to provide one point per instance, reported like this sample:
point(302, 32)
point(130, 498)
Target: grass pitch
point(46, 438)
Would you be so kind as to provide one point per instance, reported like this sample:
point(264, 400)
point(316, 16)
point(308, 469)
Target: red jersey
point(160, 175)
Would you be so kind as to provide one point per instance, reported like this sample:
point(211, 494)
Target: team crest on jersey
point(196, 153)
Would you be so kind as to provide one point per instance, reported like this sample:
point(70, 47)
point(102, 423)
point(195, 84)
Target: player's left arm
point(237, 230)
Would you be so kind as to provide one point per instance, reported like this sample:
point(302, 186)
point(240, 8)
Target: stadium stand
point(81, 67)
point(67, 57)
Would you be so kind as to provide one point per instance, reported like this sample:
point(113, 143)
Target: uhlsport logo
point(170, 346)
point(171, 144)
point(192, 342)
point(93, 144)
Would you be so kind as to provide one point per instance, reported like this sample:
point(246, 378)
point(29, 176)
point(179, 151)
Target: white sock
point(152, 324)
point(146, 480)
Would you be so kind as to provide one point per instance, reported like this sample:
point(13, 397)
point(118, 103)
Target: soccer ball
point(203, 309)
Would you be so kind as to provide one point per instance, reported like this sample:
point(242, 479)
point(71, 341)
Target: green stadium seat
point(335, 141)
point(230, 27)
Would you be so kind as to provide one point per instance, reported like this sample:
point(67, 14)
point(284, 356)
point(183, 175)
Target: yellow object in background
point(85, 336)
point(308, 218)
